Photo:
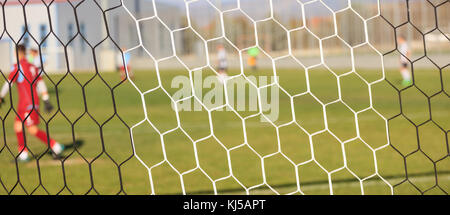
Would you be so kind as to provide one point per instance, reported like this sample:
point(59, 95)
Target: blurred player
point(404, 50)
point(121, 67)
point(223, 65)
point(27, 80)
point(251, 61)
point(33, 58)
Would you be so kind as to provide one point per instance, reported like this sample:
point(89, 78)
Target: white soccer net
point(320, 40)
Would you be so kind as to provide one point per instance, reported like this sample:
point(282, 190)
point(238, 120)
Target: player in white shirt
point(223, 65)
point(405, 54)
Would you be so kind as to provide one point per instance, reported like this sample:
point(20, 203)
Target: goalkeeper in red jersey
point(29, 85)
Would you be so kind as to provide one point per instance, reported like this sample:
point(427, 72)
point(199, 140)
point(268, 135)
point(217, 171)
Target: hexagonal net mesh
point(225, 97)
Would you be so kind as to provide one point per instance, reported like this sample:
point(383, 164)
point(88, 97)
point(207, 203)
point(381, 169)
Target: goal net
point(227, 97)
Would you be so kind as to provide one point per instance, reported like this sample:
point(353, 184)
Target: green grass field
point(416, 161)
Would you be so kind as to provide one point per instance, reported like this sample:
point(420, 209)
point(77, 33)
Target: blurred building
point(70, 34)
point(81, 30)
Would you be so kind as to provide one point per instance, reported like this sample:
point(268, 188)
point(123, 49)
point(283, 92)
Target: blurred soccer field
point(107, 151)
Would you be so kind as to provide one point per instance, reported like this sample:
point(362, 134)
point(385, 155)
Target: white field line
point(325, 186)
point(68, 162)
